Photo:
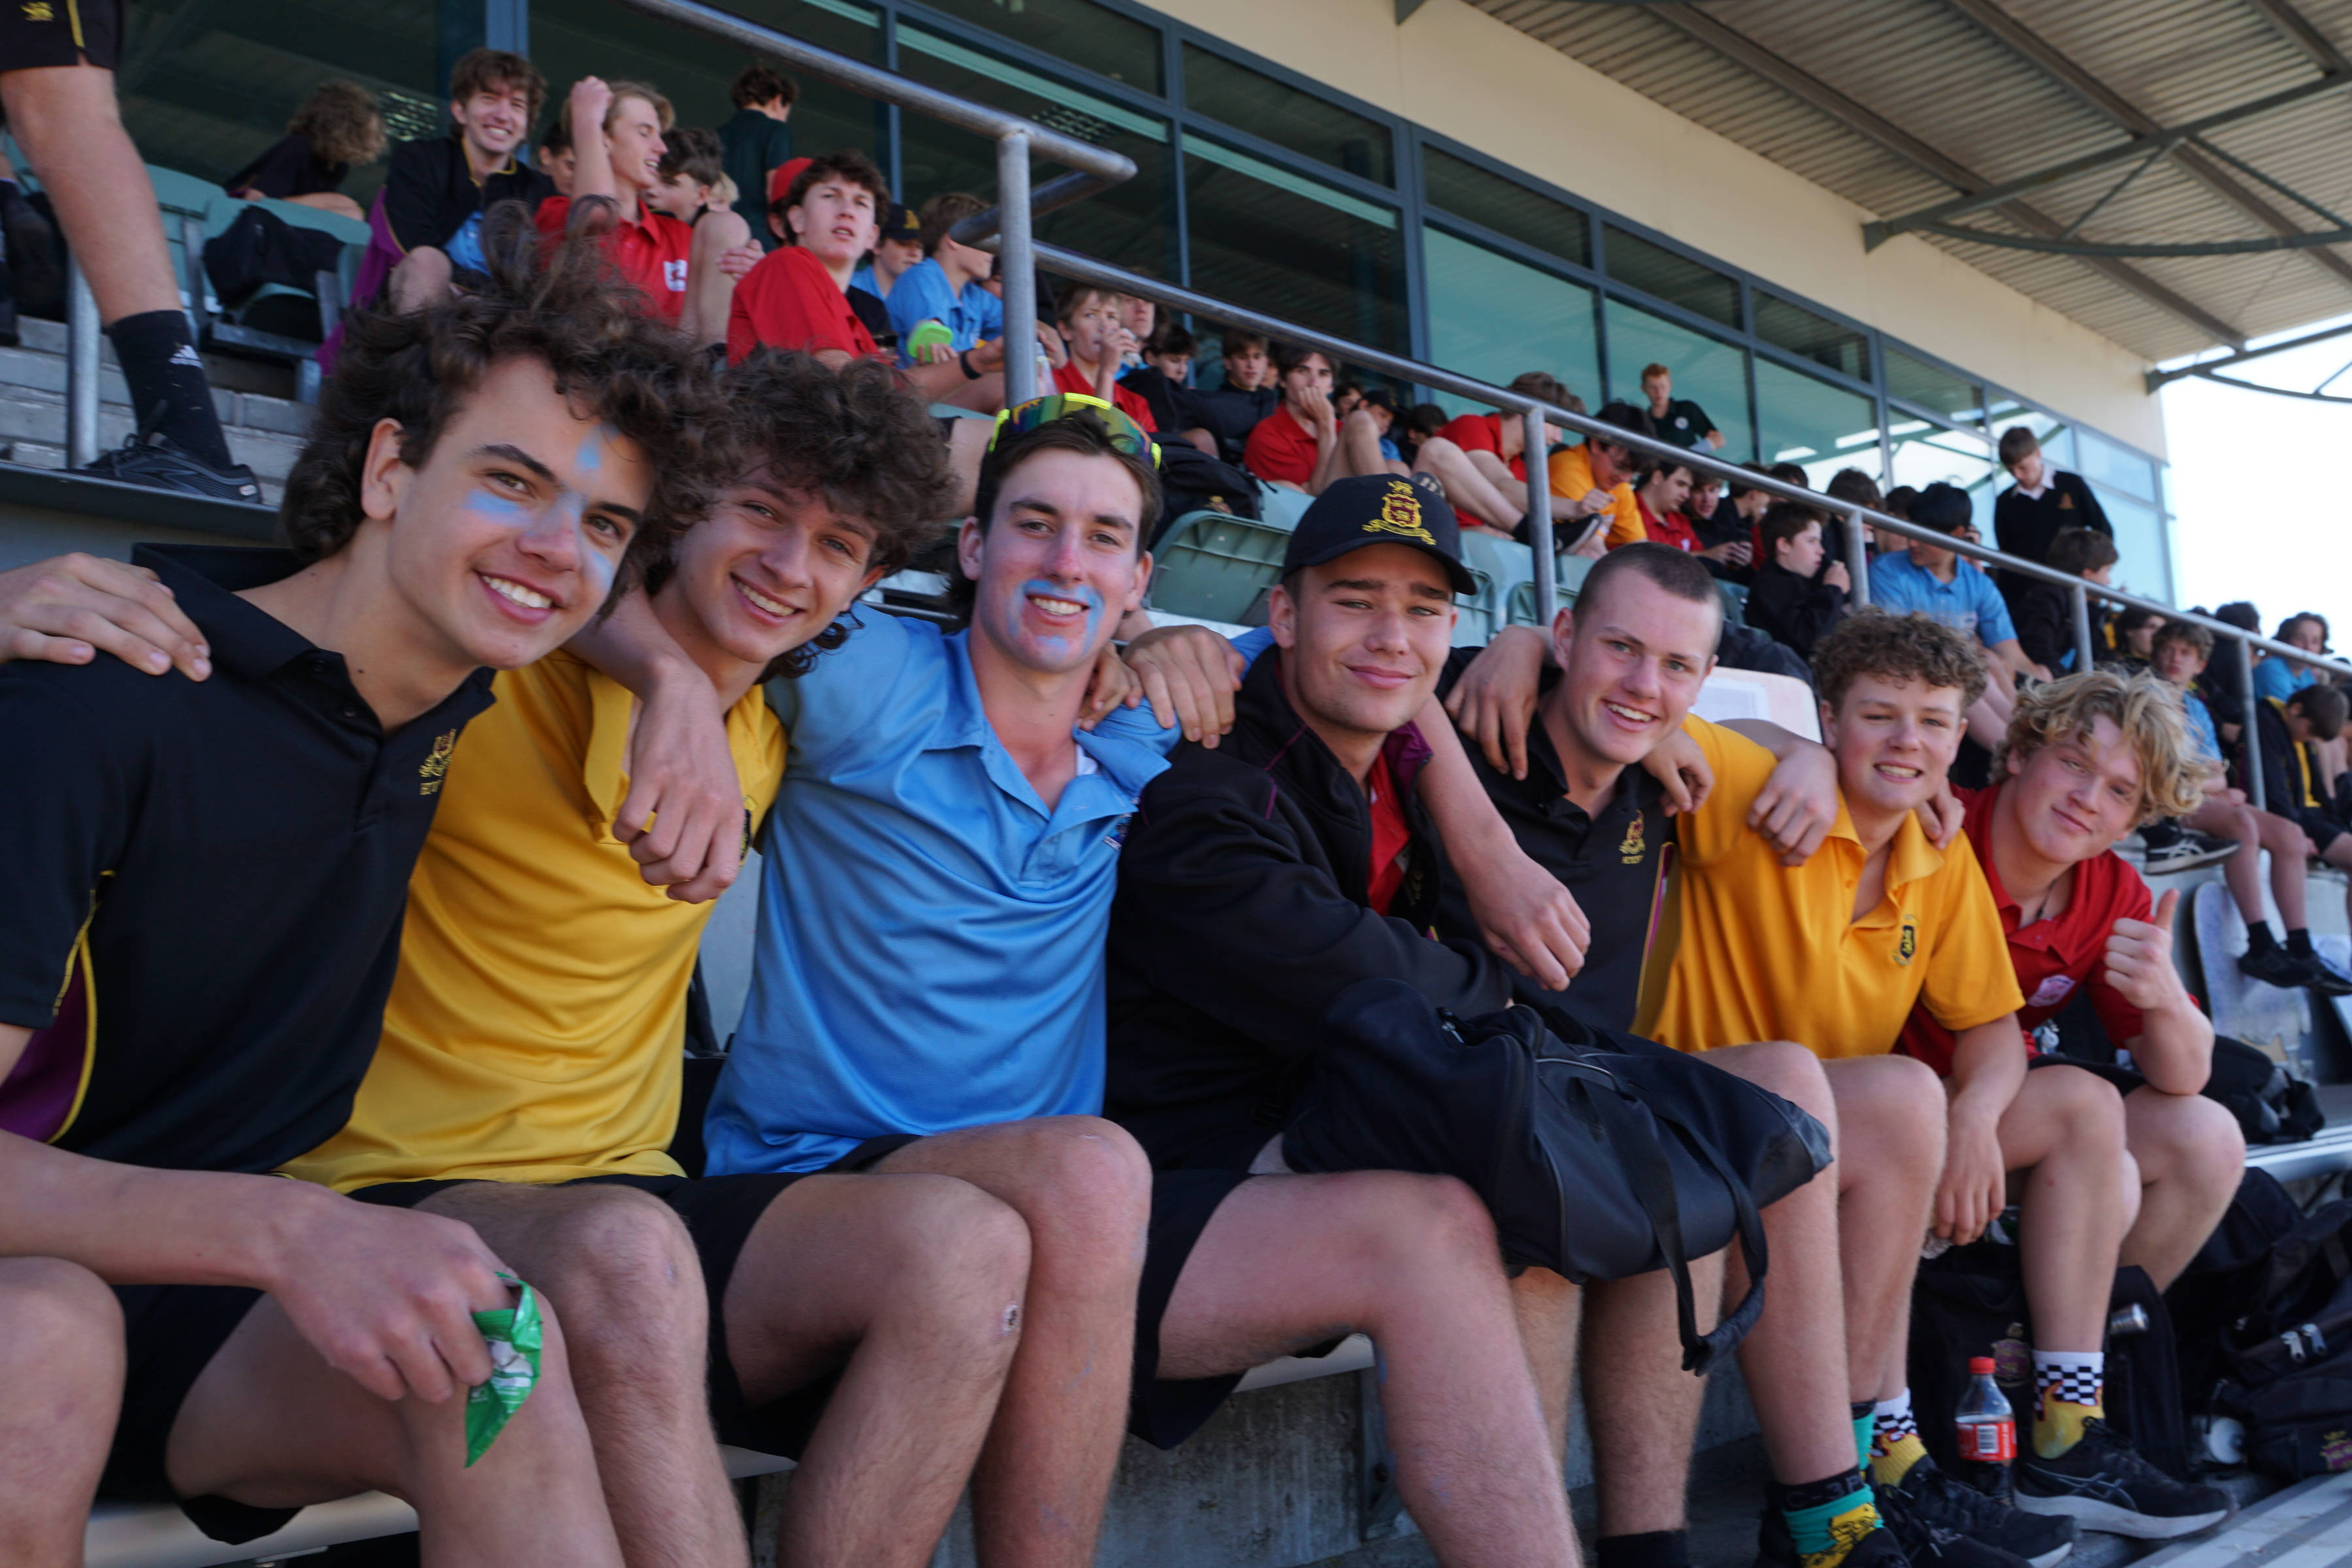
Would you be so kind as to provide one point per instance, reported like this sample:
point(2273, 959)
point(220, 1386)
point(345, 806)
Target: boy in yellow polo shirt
point(529, 1076)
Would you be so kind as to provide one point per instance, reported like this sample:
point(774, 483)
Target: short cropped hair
point(1171, 337)
point(1235, 340)
point(1854, 488)
point(2324, 707)
point(1651, 372)
point(1790, 474)
point(694, 152)
point(1899, 647)
point(2148, 711)
point(1289, 357)
point(760, 83)
point(1785, 520)
point(486, 70)
point(2017, 444)
point(2075, 550)
point(557, 137)
point(849, 166)
point(942, 213)
point(1944, 507)
point(1899, 501)
point(2189, 633)
point(1075, 297)
point(646, 92)
point(1543, 386)
point(1081, 431)
point(1676, 572)
point(341, 122)
point(569, 312)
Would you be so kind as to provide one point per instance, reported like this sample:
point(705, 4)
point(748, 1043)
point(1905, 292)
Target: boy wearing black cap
point(946, 291)
point(898, 247)
point(1259, 879)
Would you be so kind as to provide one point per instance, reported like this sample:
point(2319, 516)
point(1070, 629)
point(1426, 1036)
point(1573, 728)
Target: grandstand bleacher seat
point(1217, 567)
point(1734, 601)
point(1569, 572)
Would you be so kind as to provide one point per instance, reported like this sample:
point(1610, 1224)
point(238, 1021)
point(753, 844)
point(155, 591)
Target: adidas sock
point(2258, 939)
point(2298, 942)
point(1827, 1519)
point(2068, 1385)
point(1866, 1419)
point(1653, 1549)
point(1896, 1446)
point(169, 394)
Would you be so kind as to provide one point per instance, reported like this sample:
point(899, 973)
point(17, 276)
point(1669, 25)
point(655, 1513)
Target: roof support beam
point(2299, 31)
point(1817, 93)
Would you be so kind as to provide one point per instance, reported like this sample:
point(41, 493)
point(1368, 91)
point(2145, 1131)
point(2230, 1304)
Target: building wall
point(1462, 73)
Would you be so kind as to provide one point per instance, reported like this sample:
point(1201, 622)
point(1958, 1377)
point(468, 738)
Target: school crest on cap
point(1401, 514)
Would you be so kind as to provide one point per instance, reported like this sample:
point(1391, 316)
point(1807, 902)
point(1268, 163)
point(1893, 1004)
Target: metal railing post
point(81, 369)
point(1539, 538)
point(2082, 650)
point(1857, 550)
point(1018, 268)
point(2249, 744)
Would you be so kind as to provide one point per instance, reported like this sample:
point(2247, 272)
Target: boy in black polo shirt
point(437, 186)
point(206, 889)
point(2041, 503)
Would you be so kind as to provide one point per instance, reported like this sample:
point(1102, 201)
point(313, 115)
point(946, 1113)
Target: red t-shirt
point(790, 301)
point(1281, 448)
point(1068, 377)
point(1391, 834)
point(1673, 529)
point(2052, 956)
point(1481, 433)
point(652, 252)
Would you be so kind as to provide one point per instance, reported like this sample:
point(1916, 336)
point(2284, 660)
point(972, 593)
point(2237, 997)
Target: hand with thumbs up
point(2139, 959)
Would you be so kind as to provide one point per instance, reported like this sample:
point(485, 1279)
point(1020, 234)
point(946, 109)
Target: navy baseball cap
point(899, 223)
point(1377, 508)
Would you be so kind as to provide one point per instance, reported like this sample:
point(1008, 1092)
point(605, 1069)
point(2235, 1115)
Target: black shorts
point(2318, 823)
point(171, 1333)
point(35, 33)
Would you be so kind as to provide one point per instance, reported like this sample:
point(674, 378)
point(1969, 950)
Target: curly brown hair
point(486, 70)
point(2148, 711)
point(343, 124)
point(569, 312)
point(1899, 647)
point(851, 436)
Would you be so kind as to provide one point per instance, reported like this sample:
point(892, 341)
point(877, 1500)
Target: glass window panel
point(1822, 428)
point(2110, 467)
point(205, 88)
point(572, 38)
point(1710, 373)
point(1083, 33)
point(1292, 248)
point(1928, 454)
point(1131, 223)
point(1819, 339)
point(1494, 318)
point(2144, 565)
point(2056, 437)
point(1251, 100)
point(1507, 207)
point(1933, 388)
point(1670, 276)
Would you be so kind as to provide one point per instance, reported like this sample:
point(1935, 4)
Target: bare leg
point(1642, 1407)
point(71, 129)
point(1465, 486)
point(333, 202)
point(1890, 1120)
point(1545, 1306)
point(1084, 1189)
point(1359, 448)
point(1289, 1261)
point(270, 1424)
point(967, 444)
point(916, 1283)
point(61, 1367)
point(422, 279)
point(620, 1267)
point(2063, 1134)
point(709, 291)
point(2190, 1153)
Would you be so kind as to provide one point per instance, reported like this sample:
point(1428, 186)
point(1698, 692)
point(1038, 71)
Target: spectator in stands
point(1252, 391)
point(1680, 421)
point(1931, 581)
point(1304, 443)
point(1898, 503)
point(685, 273)
point(1726, 558)
point(1096, 340)
point(899, 245)
point(1736, 520)
point(1480, 461)
point(1788, 600)
point(1380, 404)
point(2043, 500)
point(56, 94)
point(427, 218)
point(1594, 478)
point(2182, 651)
point(2281, 678)
point(554, 153)
point(1141, 316)
point(1164, 382)
point(689, 176)
point(2298, 782)
point(944, 288)
point(482, 478)
point(1854, 488)
point(2130, 635)
point(2218, 686)
point(758, 140)
point(2043, 613)
point(2141, 1182)
point(1788, 473)
point(336, 129)
point(1663, 493)
point(1418, 423)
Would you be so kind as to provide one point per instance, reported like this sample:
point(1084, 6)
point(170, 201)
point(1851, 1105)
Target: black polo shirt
point(206, 883)
point(1684, 422)
point(1610, 863)
point(430, 190)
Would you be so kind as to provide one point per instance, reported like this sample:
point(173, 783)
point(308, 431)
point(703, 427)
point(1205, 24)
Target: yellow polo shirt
point(1768, 952)
point(536, 1026)
point(1572, 476)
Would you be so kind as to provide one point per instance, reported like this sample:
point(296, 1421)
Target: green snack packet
point(929, 333)
point(514, 1337)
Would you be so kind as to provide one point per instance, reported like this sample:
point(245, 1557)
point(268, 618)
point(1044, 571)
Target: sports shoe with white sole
point(1936, 1498)
point(2101, 1484)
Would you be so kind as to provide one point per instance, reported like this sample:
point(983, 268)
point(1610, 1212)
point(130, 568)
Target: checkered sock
point(1894, 1446)
point(2069, 1384)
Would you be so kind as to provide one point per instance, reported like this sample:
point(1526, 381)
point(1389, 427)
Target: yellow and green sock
point(1828, 1518)
point(1895, 1444)
point(2069, 1387)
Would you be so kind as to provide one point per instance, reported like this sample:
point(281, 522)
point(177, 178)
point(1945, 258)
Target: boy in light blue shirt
point(948, 287)
point(1938, 584)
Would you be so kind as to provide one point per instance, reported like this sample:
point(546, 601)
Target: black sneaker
point(1938, 1498)
point(1928, 1536)
point(160, 463)
point(2274, 965)
point(2323, 977)
point(2101, 1484)
point(1877, 1549)
point(2188, 852)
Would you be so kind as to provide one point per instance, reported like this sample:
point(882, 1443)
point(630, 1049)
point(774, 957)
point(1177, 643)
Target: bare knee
point(957, 1260)
point(2092, 1111)
point(1793, 1073)
point(59, 1325)
point(720, 228)
point(1411, 1224)
point(2188, 1138)
point(1089, 1177)
point(1435, 450)
point(624, 1269)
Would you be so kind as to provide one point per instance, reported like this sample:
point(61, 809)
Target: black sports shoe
point(162, 464)
point(1928, 1537)
point(2191, 851)
point(2101, 1484)
point(1878, 1549)
point(2274, 965)
point(2323, 977)
point(1936, 1498)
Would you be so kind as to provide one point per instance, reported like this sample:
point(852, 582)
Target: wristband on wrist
point(964, 358)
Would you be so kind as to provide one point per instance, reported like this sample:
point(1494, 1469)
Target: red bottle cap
point(1979, 1366)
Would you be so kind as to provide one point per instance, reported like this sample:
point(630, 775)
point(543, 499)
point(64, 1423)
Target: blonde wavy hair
point(342, 120)
point(2147, 711)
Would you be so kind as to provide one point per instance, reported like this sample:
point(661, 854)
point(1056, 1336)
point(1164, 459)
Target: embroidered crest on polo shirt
point(1631, 847)
point(674, 276)
point(2050, 991)
point(435, 767)
point(1906, 946)
point(1401, 514)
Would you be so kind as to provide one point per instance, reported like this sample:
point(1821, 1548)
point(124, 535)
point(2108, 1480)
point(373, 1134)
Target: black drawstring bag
point(1599, 1155)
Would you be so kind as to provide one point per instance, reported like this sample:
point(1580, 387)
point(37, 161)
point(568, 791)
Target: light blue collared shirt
point(2282, 677)
point(2201, 727)
point(921, 294)
point(930, 953)
point(1969, 602)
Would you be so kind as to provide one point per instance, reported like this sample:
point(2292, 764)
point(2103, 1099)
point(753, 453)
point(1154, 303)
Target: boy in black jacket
point(2295, 782)
point(1787, 599)
point(2043, 502)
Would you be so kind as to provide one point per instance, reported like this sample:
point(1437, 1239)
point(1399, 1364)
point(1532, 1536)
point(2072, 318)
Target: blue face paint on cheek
point(504, 511)
point(1079, 594)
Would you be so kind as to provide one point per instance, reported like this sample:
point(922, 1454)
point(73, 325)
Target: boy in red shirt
point(686, 271)
point(1304, 443)
point(1098, 341)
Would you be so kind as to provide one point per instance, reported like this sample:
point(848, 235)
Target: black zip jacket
point(1241, 914)
point(1798, 612)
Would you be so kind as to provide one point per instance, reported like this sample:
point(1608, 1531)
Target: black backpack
point(261, 247)
point(2283, 1361)
point(1599, 1155)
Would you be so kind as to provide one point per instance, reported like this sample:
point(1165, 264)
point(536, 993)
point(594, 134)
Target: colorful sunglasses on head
point(1125, 433)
